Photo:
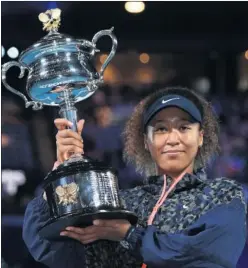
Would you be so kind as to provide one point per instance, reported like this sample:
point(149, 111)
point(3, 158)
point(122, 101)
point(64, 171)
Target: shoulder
point(226, 190)
point(223, 203)
point(225, 185)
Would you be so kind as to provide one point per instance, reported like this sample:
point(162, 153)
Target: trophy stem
point(69, 111)
point(67, 108)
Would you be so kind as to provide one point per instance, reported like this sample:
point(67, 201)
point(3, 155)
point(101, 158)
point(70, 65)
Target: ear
point(201, 138)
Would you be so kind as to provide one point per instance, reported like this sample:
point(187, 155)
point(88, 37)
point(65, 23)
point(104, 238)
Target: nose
point(173, 138)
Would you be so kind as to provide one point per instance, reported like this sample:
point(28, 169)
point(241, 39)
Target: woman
point(185, 219)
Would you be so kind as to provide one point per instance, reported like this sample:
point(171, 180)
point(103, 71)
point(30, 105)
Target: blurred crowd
point(233, 116)
point(28, 138)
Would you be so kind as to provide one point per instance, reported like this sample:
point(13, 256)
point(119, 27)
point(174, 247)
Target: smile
point(172, 152)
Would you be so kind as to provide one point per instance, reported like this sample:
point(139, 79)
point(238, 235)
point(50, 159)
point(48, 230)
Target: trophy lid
point(54, 41)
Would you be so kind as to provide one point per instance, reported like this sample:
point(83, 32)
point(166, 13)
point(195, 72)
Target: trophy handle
point(36, 105)
point(113, 49)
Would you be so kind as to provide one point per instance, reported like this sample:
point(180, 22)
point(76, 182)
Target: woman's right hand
point(68, 141)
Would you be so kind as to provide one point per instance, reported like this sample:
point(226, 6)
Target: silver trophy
point(61, 73)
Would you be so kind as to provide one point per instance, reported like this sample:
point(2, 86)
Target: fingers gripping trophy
point(61, 73)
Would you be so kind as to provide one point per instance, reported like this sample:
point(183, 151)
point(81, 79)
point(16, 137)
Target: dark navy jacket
point(201, 224)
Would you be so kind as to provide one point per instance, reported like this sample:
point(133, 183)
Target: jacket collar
point(187, 182)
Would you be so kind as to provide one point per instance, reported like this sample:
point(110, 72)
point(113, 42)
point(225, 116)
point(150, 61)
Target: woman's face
point(173, 141)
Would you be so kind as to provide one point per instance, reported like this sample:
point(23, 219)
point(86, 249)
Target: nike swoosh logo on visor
point(165, 101)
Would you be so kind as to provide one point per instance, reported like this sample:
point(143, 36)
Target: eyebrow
point(180, 119)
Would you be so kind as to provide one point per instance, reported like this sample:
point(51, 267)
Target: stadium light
point(135, 6)
point(3, 51)
point(13, 52)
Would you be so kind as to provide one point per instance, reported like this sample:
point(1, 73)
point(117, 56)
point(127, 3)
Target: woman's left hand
point(114, 230)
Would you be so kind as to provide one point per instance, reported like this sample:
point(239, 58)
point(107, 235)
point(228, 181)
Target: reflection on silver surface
point(94, 184)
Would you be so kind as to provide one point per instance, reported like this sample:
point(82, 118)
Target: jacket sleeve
point(53, 254)
point(216, 239)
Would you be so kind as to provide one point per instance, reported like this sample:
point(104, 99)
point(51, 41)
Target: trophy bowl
point(61, 73)
point(57, 63)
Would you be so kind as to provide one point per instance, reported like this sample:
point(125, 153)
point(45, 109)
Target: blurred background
point(201, 45)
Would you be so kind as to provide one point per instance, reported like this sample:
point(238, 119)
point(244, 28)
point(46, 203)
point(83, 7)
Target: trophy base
point(54, 227)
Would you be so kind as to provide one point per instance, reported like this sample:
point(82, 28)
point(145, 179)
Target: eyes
point(163, 129)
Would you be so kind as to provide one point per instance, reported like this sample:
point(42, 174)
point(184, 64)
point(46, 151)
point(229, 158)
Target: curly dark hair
point(134, 148)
